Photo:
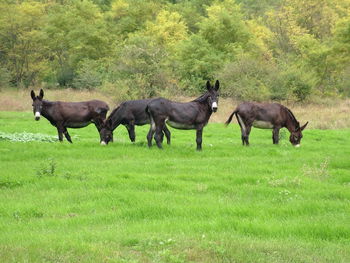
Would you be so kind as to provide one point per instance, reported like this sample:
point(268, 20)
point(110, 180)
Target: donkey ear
point(208, 85)
point(217, 84)
point(304, 126)
point(41, 94)
point(32, 94)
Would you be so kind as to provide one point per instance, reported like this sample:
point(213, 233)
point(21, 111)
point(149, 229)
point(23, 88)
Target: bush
point(4, 78)
point(298, 83)
point(65, 76)
point(195, 63)
point(246, 79)
point(89, 75)
point(140, 70)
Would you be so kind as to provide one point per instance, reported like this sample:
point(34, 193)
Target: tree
point(168, 29)
point(224, 28)
point(23, 52)
point(75, 32)
point(196, 61)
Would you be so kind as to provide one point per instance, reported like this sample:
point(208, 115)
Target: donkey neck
point(291, 123)
point(204, 106)
point(46, 112)
point(203, 98)
point(114, 118)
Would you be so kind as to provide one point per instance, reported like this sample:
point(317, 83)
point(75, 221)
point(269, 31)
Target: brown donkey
point(267, 116)
point(65, 115)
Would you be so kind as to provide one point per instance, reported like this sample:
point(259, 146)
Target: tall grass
point(64, 202)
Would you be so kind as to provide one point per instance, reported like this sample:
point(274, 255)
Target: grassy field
point(64, 202)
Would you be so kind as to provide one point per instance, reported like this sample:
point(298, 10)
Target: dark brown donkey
point(267, 116)
point(129, 113)
point(185, 116)
point(65, 115)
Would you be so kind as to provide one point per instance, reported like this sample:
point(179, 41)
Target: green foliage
point(74, 33)
point(168, 29)
point(5, 78)
point(224, 28)
point(196, 62)
point(246, 79)
point(89, 75)
point(139, 68)
point(300, 87)
point(128, 16)
point(22, 48)
point(47, 43)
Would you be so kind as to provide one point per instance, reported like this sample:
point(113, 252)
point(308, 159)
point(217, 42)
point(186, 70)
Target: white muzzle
point(37, 115)
point(103, 143)
point(214, 106)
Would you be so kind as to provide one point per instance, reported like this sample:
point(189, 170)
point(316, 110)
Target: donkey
point(185, 116)
point(267, 116)
point(65, 115)
point(129, 114)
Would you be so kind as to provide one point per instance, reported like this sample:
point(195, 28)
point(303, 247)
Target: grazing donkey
point(129, 114)
point(185, 116)
point(267, 116)
point(65, 115)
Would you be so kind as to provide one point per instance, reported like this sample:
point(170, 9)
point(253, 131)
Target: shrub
point(4, 78)
point(246, 79)
point(89, 75)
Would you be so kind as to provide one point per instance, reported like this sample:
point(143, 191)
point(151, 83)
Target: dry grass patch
point(329, 114)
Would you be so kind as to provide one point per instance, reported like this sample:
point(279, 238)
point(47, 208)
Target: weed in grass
point(47, 169)
point(284, 182)
point(10, 184)
point(321, 172)
point(27, 137)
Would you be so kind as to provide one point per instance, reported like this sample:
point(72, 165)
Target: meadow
point(83, 202)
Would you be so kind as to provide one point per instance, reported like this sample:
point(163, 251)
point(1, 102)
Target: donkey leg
point(243, 128)
point(60, 134)
point(159, 134)
point(131, 131)
point(66, 134)
point(151, 132)
point(246, 134)
point(275, 135)
point(167, 134)
point(149, 137)
point(199, 139)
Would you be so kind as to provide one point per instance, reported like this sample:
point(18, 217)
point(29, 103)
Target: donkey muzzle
point(214, 106)
point(103, 143)
point(37, 116)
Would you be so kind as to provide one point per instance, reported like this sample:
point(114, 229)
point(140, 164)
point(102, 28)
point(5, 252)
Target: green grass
point(64, 202)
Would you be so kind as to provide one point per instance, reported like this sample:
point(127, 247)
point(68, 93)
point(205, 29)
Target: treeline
point(259, 49)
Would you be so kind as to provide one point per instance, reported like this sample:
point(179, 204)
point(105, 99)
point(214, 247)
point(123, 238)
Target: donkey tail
point(230, 118)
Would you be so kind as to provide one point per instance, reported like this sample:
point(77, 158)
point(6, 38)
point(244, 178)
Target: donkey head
point(106, 133)
point(296, 135)
point(37, 103)
point(213, 97)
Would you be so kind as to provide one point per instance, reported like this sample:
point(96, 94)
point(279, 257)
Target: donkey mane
point(117, 108)
point(202, 98)
point(292, 116)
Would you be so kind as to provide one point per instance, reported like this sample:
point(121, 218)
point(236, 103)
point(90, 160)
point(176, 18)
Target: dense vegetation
point(82, 202)
point(271, 49)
